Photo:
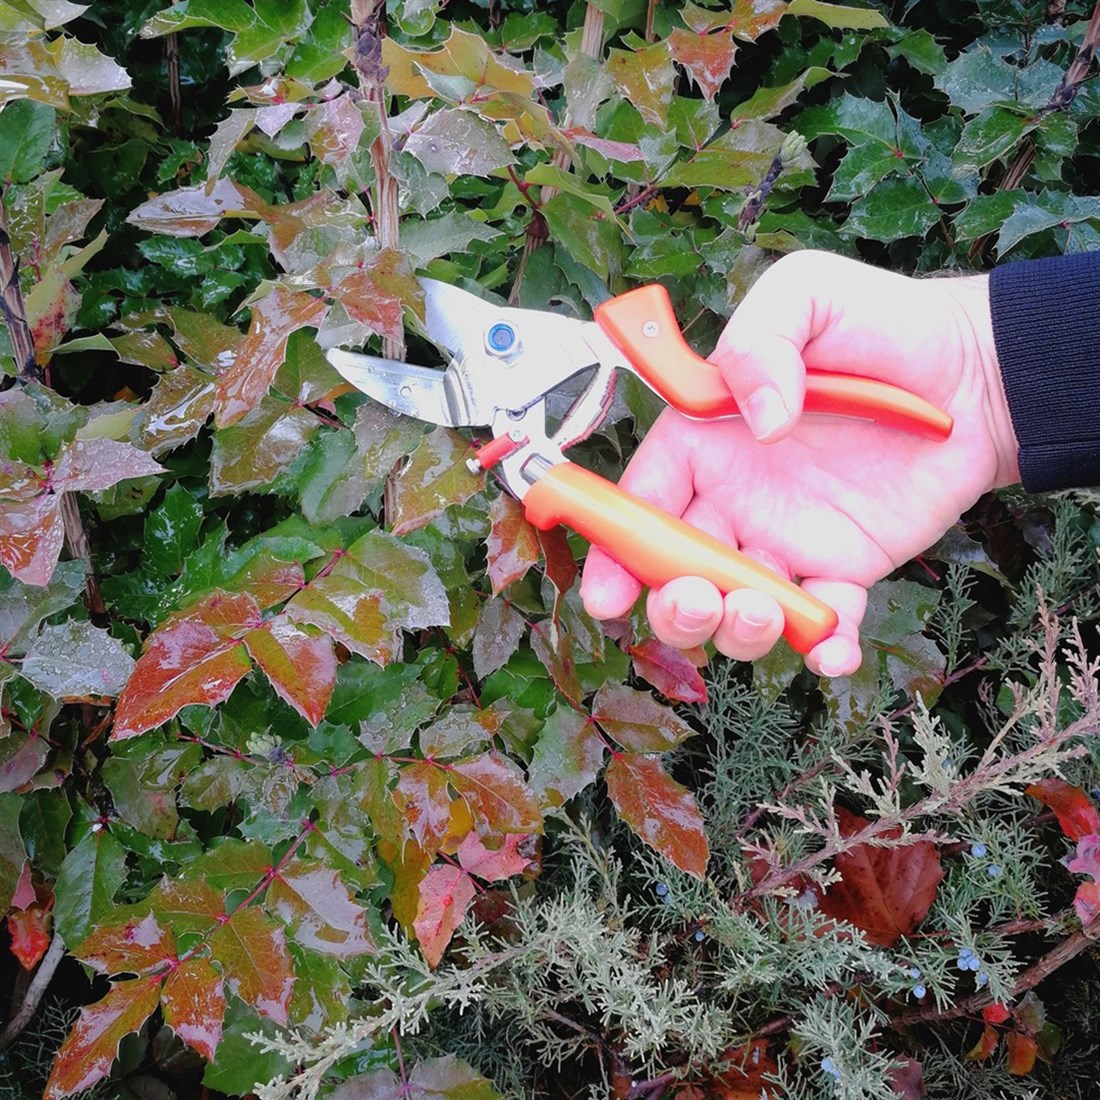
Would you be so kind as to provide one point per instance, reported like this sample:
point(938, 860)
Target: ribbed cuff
point(1046, 325)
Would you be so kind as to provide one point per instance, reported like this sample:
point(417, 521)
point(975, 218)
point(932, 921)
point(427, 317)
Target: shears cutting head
point(504, 363)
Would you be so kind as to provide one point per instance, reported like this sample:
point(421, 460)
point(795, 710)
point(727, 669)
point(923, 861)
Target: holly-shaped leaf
point(637, 721)
point(885, 892)
point(193, 1002)
point(1075, 811)
point(645, 79)
point(309, 898)
point(88, 1053)
point(707, 57)
point(300, 665)
point(498, 796)
point(673, 672)
point(659, 810)
point(567, 757)
point(495, 864)
point(424, 801)
point(90, 874)
point(251, 950)
point(458, 142)
point(77, 660)
point(500, 628)
point(434, 478)
point(377, 293)
point(194, 211)
point(30, 936)
point(445, 895)
point(136, 946)
point(512, 546)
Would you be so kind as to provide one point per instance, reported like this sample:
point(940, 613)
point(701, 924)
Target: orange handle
point(657, 548)
point(643, 326)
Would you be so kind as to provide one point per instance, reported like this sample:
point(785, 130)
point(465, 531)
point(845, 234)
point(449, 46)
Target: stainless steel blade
point(414, 391)
point(456, 319)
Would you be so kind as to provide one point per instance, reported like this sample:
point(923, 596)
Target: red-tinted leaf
point(251, 950)
point(274, 318)
point(376, 295)
point(193, 211)
point(434, 478)
point(193, 1003)
point(747, 1077)
point(194, 658)
point(29, 935)
point(315, 905)
point(425, 802)
point(886, 892)
point(996, 1014)
point(187, 905)
point(907, 1080)
point(622, 151)
point(673, 672)
point(637, 721)
point(707, 57)
point(444, 1078)
point(659, 810)
point(1087, 901)
point(645, 78)
point(445, 895)
point(1022, 1050)
point(554, 648)
point(567, 756)
point(351, 614)
point(136, 946)
point(512, 546)
point(500, 627)
point(1087, 859)
point(333, 129)
point(300, 666)
point(985, 1046)
point(91, 465)
point(498, 797)
point(750, 18)
point(31, 537)
point(87, 1054)
point(1074, 809)
point(494, 865)
point(561, 566)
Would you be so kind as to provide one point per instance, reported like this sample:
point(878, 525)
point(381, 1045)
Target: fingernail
point(690, 617)
point(753, 620)
point(766, 412)
point(832, 669)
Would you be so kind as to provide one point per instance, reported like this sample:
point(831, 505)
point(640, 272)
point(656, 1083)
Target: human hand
point(832, 502)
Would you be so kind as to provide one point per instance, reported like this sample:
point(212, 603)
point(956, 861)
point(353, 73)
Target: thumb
point(760, 351)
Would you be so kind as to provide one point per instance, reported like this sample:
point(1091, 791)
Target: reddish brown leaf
point(87, 1054)
point(512, 546)
point(136, 946)
point(261, 354)
point(1022, 1051)
point(645, 78)
point(500, 627)
point(637, 721)
point(1086, 901)
point(251, 950)
point(434, 478)
point(445, 895)
point(707, 57)
point(498, 797)
point(333, 129)
point(1074, 809)
point(659, 810)
point(567, 756)
point(673, 672)
point(907, 1080)
point(91, 465)
point(354, 616)
point(300, 666)
point(996, 1014)
point(561, 566)
point(193, 1003)
point(554, 648)
point(25, 894)
point(187, 905)
point(316, 906)
point(194, 657)
point(751, 18)
point(746, 1079)
point(885, 892)
point(494, 865)
point(425, 802)
point(193, 211)
point(378, 294)
point(985, 1046)
point(29, 935)
point(31, 537)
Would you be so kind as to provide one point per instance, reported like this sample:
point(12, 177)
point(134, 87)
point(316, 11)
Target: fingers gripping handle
point(643, 326)
point(656, 548)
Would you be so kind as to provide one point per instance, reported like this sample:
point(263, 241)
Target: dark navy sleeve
point(1046, 325)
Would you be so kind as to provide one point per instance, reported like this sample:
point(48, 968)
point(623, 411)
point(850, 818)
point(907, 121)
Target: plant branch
point(39, 983)
point(15, 312)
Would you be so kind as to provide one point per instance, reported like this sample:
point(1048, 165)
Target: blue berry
point(699, 937)
point(914, 972)
point(919, 992)
point(946, 763)
point(994, 870)
point(660, 889)
point(830, 1067)
point(974, 963)
point(979, 850)
point(982, 979)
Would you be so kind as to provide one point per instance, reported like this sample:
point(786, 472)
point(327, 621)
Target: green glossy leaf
point(26, 134)
point(896, 208)
point(251, 950)
point(76, 660)
point(457, 142)
point(309, 898)
point(567, 757)
point(91, 873)
point(13, 855)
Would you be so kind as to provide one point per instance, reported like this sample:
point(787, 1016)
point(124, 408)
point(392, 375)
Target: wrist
point(971, 297)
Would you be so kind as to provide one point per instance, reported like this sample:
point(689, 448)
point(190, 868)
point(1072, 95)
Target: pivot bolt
point(501, 340)
point(651, 329)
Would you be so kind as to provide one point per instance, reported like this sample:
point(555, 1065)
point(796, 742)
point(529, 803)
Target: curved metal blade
point(414, 391)
point(455, 319)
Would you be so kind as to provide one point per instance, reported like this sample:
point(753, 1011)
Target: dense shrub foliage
point(315, 778)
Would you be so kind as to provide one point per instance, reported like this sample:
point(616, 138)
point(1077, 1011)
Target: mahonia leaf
point(500, 627)
point(136, 946)
point(985, 1046)
point(90, 874)
point(1022, 1051)
point(445, 1078)
point(309, 898)
point(301, 666)
point(495, 864)
point(885, 892)
point(75, 660)
point(445, 895)
point(195, 657)
point(181, 402)
point(645, 79)
point(839, 15)
point(88, 1053)
point(252, 453)
point(333, 129)
point(194, 211)
point(274, 318)
point(424, 801)
point(748, 20)
point(457, 142)
point(496, 793)
point(567, 757)
point(193, 1003)
point(512, 546)
point(28, 929)
point(554, 648)
point(434, 478)
point(377, 293)
point(707, 57)
point(637, 721)
point(561, 566)
point(1074, 809)
point(251, 950)
point(673, 672)
point(1086, 902)
point(23, 607)
point(659, 810)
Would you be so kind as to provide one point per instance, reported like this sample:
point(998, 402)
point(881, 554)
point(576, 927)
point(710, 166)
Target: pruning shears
point(506, 363)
